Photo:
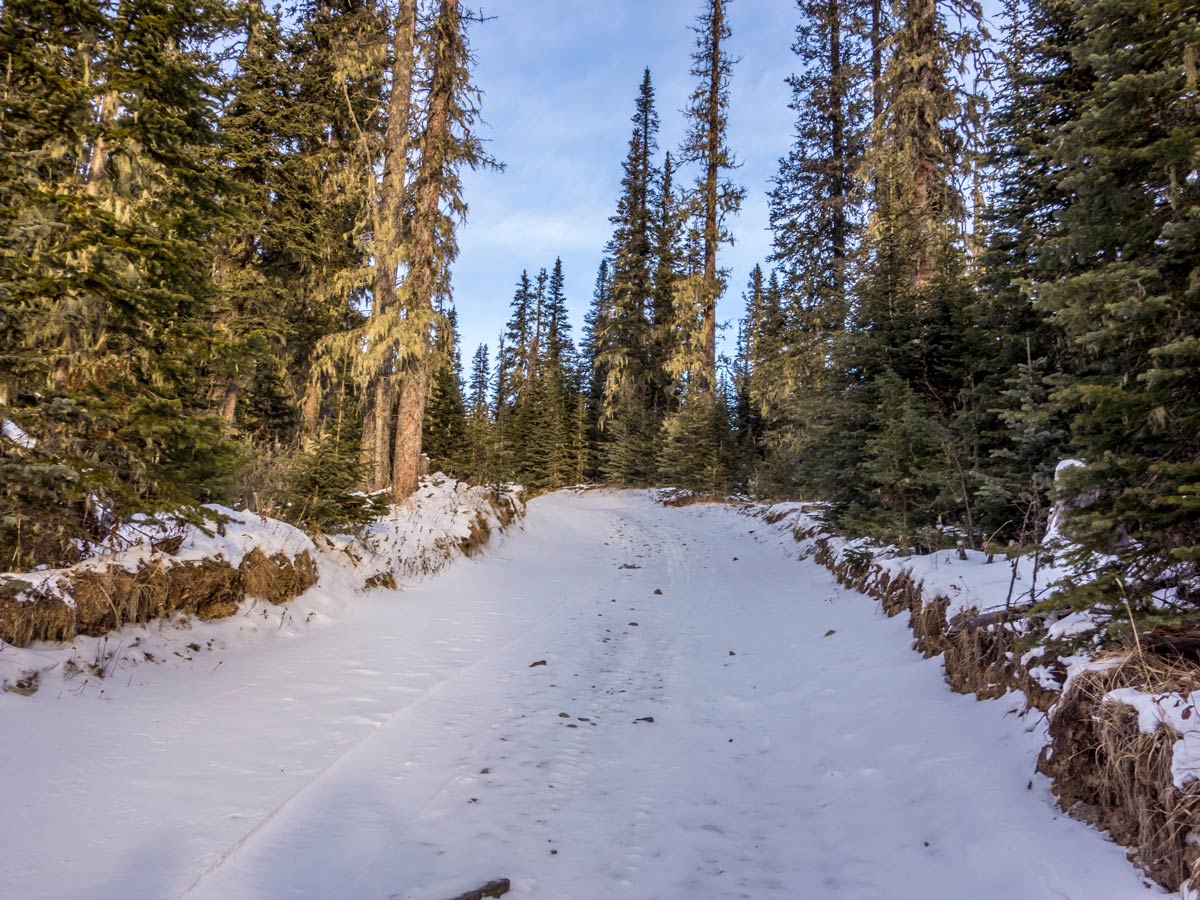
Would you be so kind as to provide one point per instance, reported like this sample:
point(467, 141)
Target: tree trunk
point(410, 419)
point(99, 155)
point(712, 172)
point(876, 59)
point(925, 140)
point(389, 239)
point(423, 268)
point(229, 401)
point(841, 183)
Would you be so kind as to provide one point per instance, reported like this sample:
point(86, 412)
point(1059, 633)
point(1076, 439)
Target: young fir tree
point(481, 462)
point(593, 370)
point(1131, 312)
point(514, 376)
point(560, 372)
point(445, 436)
point(624, 343)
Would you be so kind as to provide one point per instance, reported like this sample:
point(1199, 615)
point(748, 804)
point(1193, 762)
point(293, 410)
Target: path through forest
point(752, 731)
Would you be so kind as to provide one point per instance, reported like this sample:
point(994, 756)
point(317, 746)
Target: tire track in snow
point(355, 747)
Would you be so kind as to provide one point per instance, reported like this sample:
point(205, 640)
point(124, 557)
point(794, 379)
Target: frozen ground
point(405, 748)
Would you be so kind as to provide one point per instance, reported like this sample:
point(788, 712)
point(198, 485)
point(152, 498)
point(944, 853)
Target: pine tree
point(816, 207)
point(562, 386)
point(447, 143)
point(445, 440)
point(1130, 311)
point(623, 344)
point(668, 227)
point(715, 197)
point(1039, 92)
point(481, 463)
point(317, 239)
point(250, 378)
point(815, 200)
point(112, 196)
point(913, 339)
point(593, 370)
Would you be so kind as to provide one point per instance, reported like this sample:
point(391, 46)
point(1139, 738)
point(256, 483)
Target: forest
point(227, 235)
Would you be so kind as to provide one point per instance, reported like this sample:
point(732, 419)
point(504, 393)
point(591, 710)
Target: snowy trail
point(409, 751)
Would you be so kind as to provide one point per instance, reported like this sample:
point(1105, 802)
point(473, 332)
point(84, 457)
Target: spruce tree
point(624, 344)
point(445, 439)
point(715, 197)
point(481, 463)
point(447, 143)
point(1130, 311)
point(112, 195)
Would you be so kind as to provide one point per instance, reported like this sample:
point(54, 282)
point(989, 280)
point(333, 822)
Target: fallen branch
point(497, 888)
point(969, 622)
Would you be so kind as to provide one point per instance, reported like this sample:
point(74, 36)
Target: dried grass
point(277, 578)
point(480, 533)
point(105, 599)
point(1107, 772)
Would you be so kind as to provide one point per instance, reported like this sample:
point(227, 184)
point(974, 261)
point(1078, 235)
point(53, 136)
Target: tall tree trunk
point(99, 155)
point(841, 181)
point(423, 268)
point(389, 239)
point(876, 59)
point(228, 401)
point(410, 420)
point(712, 235)
point(926, 140)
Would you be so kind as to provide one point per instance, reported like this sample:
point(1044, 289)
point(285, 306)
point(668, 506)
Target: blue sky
point(559, 78)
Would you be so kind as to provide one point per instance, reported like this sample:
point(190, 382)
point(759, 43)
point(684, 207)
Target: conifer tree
point(715, 196)
point(109, 114)
point(913, 339)
point(254, 309)
point(623, 345)
point(593, 369)
point(480, 437)
point(445, 435)
point(1131, 311)
point(447, 143)
point(668, 227)
point(1042, 81)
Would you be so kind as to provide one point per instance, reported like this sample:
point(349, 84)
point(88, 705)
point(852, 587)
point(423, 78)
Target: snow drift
point(181, 574)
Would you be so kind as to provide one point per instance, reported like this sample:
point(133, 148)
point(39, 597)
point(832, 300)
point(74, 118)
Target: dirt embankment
point(95, 600)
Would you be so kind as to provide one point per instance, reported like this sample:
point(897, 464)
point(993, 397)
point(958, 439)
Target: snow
point(402, 744)
point(1072, 625)
point(1178, 712)
point(422, 534)
point(971, 583)
point(15, 433)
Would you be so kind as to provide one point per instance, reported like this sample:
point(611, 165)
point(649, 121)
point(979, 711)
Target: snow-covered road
point(410, 749)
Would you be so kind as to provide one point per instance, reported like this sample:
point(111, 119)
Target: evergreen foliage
point(226, 233)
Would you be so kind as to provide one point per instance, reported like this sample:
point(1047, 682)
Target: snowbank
point(443, 520)
point(204, 584)
point(1123, 729)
